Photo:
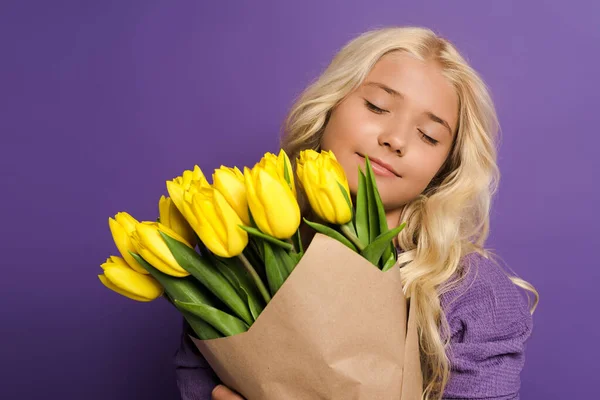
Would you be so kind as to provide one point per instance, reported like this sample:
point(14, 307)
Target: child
point(407, 99)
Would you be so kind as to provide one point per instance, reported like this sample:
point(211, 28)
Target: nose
point(394, 139)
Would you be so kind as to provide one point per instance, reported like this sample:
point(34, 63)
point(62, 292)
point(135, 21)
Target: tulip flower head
point(217, 223)
point(171, 217)
point(151, 246)
point(230, 183)
point(121, 227)
point(121, 278)
point(182, 188)
point(271, 198)
point(326, 186)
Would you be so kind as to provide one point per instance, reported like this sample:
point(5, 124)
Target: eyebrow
point(395, 93)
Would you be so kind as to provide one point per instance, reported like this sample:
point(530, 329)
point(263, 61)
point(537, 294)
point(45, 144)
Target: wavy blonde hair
point(450, 219)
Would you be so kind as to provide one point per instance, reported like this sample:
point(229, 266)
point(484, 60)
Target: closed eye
point(427, 138)
point(374, 108)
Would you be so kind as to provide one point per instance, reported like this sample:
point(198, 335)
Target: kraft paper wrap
point(338, 329)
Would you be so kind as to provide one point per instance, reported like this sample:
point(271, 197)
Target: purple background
point(101, 102)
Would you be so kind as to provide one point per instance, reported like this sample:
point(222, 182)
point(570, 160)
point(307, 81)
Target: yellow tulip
point(279, 165)
point(230, 183)
point(119, 277)
point(182, 188)
point(172, 218)
point(319, 174)
point(272, 203)
point(151, 246)
point(217, 223)
point(121, 227)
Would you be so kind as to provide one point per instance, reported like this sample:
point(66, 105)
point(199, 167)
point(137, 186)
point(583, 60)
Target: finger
point(221, 392)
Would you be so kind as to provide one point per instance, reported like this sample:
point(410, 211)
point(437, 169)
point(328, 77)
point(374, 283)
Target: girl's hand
point(221, 392)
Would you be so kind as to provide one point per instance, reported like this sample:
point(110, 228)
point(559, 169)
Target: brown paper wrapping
point(338, 329)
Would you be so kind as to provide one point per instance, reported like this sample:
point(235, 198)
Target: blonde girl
point(406, 98)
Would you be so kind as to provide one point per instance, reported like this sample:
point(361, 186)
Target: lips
point(380, 167)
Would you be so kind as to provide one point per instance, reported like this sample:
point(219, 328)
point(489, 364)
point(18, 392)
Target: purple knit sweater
point(489, 323)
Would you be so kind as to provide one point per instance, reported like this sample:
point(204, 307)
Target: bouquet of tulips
point(273, 319)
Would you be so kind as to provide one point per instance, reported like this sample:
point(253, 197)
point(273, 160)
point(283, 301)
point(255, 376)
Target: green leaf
point(332, 233)
point(256, 306)
point(184, 289)
point(242, 281)
point(372, 204)
point(375, 249)
point(276, 271)
point(201, 328)
point(286, 172)
point(227, 324)
point(296, 257)
point(209, 276)
point(346, 196)
point(382, 220)
point(381, 217)
point(389, 263)
point(361, 219)
point(286, 259)
point(269, 238)
point(254, 254)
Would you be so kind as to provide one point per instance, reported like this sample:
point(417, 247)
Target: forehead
point(421, 83)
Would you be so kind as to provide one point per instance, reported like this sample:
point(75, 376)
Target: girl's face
point(403, 117)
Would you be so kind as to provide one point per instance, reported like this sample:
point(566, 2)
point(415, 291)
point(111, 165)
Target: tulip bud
point(151, 246)
point(119, 277)
point(121, 227)
point(183, 187)
point(230, 183)
point(272, 203)
point(326, 186)
point(217, 223)
point(281, 166)
point(172, 218)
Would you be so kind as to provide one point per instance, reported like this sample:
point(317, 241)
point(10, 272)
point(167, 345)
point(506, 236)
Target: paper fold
point(337, 329)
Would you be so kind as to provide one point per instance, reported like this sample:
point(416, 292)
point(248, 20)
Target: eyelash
point(378, 110)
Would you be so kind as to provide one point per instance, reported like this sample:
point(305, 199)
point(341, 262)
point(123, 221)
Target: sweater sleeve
point(489, 325)
point(195, 377)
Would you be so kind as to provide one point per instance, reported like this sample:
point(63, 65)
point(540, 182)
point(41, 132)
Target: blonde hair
point(450, 219)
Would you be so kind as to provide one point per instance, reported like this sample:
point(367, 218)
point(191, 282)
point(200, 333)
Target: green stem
point(259, 283)
point(298, 237)
point(348, 232)
point(290, 241)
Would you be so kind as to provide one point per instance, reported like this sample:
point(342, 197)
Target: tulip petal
point(256, 208)
point(126, 221)
point(177, 195)
point(114, 288)
point(160, 264)
point(230, 183)
point(281, 208)
point(327, 203)
point(237, 239)
point(211, 229)
point(132, 284)
point(124, 244)
point(117, 260)
point(153, 243)
point(163, 209)
point(204, 208)
point(310, 179)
